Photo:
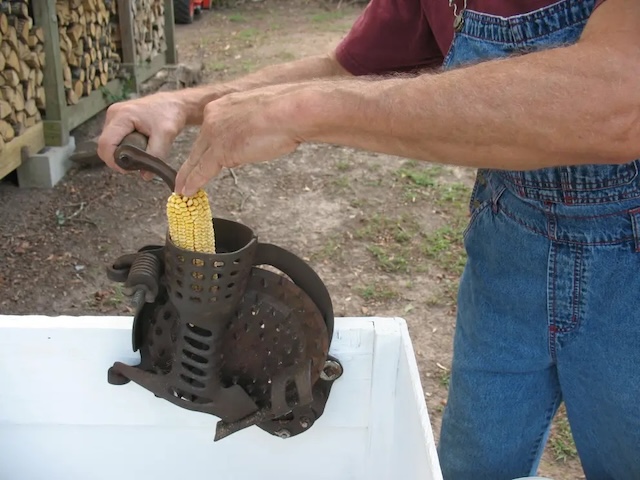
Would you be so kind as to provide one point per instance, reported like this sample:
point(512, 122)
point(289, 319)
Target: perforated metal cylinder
point(206, 288)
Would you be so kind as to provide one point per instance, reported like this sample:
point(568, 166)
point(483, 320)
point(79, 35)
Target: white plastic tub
point(61, 420)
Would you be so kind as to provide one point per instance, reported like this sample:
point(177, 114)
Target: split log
point(6, 131)
point(89, 44)
point(5, 109)
point(148, 28)
point(22, 59)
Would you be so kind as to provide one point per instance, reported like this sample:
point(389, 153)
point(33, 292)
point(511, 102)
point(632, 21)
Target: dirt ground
point(384, 233)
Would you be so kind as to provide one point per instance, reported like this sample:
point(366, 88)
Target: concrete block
point(47, 167)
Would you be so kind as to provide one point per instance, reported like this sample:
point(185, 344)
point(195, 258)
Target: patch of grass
point(341, 182)
point(249, 65)
point(248, 34)
point(450, 290)
point(390, 260)
point(419, 176)
point(218, 66)
point(118, 297)
point(442, 248)
point(444, 377)
point(331, 249)
point(453, 194)
point(285, 56)
point(419, 180)
point(374, 183)
point(324, 17)
point(396, 243)
point(383, 229)
point(358, 203)
point(343, 165)
point(377, 292)
point(561, 440)
point(391, 241)
point(237, 18)
point(445, 247)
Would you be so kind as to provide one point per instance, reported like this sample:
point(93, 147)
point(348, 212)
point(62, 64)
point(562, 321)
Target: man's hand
point(238, 129)
point(161, 117)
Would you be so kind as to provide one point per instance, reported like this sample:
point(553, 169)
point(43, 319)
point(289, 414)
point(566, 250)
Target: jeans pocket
point(481, 198)
point(474, 218)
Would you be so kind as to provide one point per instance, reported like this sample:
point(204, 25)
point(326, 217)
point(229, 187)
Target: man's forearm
point(566, 106)
point(516, 114)
point(315, 67)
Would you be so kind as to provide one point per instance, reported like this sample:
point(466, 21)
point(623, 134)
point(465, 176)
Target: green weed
point(377, 292)
point(248, 34)
point(390, 260)
point(561, 440)
point(327, 16)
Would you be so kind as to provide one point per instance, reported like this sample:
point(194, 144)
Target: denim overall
point(549, 301)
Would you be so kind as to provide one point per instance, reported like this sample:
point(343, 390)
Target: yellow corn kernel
point(190, 222)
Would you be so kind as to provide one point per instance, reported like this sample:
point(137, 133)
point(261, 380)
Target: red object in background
point(184, 11)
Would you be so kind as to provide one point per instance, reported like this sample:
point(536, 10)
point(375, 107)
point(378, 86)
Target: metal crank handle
point(131, 155)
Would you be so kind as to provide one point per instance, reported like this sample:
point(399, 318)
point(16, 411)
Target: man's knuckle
point(115, 109)
point(168, 128)
point(209, 109)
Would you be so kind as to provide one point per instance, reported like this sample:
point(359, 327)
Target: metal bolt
point(305, 422)
point(331, 371)
point(283, 433)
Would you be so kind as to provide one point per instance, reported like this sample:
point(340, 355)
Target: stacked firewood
point(22, 56)
point(148, 28)
point(90, 56)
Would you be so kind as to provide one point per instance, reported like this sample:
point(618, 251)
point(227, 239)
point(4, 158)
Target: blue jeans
point(548, 306)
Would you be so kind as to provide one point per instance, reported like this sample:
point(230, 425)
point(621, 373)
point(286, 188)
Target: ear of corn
point(190, 222)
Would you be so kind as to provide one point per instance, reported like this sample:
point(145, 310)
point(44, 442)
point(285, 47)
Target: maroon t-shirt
point(401, 35)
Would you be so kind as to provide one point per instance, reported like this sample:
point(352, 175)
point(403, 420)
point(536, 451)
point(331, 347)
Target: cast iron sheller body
point(226, 335)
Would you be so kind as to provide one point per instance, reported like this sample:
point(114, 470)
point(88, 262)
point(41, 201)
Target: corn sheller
point(224, 324)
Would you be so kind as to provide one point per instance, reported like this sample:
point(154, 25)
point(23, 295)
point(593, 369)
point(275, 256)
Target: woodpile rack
point(64, 61)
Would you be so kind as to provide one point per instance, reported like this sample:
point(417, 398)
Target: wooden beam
point(147, 70)
point(11, 156)
point(93, 104)
point(55, 131)
point(127, 41)
point(171, 55)
point(56, 102)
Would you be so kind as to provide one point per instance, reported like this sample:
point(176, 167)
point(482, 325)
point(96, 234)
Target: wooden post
point(127, 39)
point(171, 55)
point(56, 132)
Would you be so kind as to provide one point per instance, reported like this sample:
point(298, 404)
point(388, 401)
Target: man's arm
point(310, 68)
point(570, 105)
point(573, 105)
point(162, 116)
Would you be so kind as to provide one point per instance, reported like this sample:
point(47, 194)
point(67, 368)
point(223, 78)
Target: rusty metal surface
point(221, 335)
point(207, 288)
point(276, 345)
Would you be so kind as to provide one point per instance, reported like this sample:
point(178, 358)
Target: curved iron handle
point(131, 155)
